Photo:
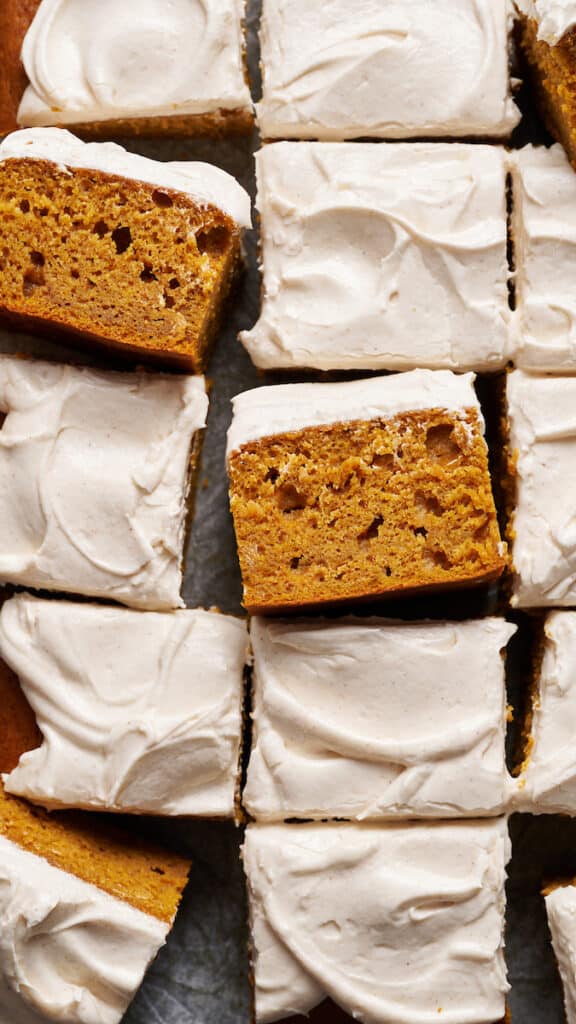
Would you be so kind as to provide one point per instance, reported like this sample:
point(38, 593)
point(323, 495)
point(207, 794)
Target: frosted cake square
point(390, 922)
point(385, 70)
point(382, 256)
point(147, 707)
point(560, 900)
point(343, 492)
point(96, 471)
point(347, 724)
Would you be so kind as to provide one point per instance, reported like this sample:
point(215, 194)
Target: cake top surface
point(59, 943)
point(166, 743)
point(553, 17)
point(346, 721)
point(282, 408)
point(206, 184)
point(97, 60)
point(389, 256)
point(542, 424)
point(398, 922)
point(561, 912)
point(100, 462)
point(403, 68)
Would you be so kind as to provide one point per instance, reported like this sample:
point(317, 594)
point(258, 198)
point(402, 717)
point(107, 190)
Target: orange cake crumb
point(553, 73)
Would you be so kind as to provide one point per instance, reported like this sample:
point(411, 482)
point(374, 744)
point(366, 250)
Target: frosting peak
point(553, 17)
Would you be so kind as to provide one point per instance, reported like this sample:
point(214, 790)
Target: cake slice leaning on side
point(116, 250)
point(343, 492)
point(83, 908)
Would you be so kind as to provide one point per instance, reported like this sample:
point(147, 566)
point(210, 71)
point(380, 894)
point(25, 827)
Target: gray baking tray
point(201, 976)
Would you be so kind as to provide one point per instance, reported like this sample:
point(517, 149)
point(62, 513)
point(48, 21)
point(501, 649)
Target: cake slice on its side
point(547, 37)
point(116, 70)
point(83, 908)
point(342, 492)
point(560, 900)
point(96, 470)
point(389, 922)
point(147, 707)
point(347, 723)
point(115, 250)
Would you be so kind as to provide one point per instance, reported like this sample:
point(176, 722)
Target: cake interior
point(552, 70)
point(109, 260)
point(15, 19)
point(363, 509)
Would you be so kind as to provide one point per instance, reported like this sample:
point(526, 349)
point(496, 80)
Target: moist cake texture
point(382, 256)
point(346, 723)
point(170, 746)
point(114, 249)
point(347, 491)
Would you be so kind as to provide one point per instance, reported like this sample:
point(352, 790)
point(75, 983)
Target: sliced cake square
point(385, 70)
point(115, 250)
point(147, 707)
point(351, 491)
point(560, 900)
point(95, 475)
point(348, 723)
point(390, 922)
point(382, 257)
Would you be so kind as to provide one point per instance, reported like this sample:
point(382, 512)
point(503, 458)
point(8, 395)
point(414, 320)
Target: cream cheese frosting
point(544, 237)
point(206, 184)
point(390, 70)
point(399, 923)
point(542, 439)
point(348, 725)
point(281, 408)
point(548, 782)
point(561, 913)
point(553, 17)
point(97, 60)
point(147, 707)
point(382, 256)
point(94, 475)
point(68, 950)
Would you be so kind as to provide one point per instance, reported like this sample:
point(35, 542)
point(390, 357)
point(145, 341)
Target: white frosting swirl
point(548, 783)
point(281, 408)
point(94, 471)
point(391, 70)
point(68, 950)
point(346, 724)
point(553, 17)
point(207, 184)
point(542, 424)
point(100, 60)
point(544, 237)
point(402, 923)
point(561, 912)
point(382, 256)
point(167, 741)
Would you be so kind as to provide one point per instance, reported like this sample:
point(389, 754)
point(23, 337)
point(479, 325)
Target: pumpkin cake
point(415, 69)
point(111, 249)
point(111, 69)
point(83, 908)
point(347, 725)
point(401, 922)
point(342, 492)
point(146, 706)
point(560, 901)
point(547, 36)
point(96, 470)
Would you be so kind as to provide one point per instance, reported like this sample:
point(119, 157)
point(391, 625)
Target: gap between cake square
point(124, 69)
point(406, 69)
point(386, 256)
point(360, 490)
point(96, 477)
point(400, 922)
point(368, 719)
point(146, 707)
point(114, 251)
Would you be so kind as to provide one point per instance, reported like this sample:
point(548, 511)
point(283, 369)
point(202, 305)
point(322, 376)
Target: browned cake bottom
point(112, 261)
point(364, 509)
point(552, 70)
point(217, 124)
point(329, 1013)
